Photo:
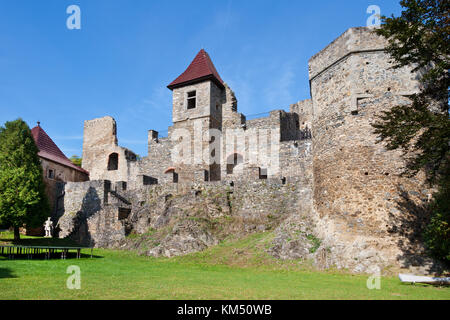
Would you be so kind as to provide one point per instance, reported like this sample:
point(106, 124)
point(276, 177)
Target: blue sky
point(127, 52)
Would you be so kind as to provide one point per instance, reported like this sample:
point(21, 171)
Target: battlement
point(354, 40)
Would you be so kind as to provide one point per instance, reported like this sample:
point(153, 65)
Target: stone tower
point(357, 182)
point(198, 95)
point(102, 156)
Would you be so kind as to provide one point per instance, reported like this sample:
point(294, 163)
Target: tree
point(76, 160)
point(22, 190)
point(437, 233)
point(420, 38)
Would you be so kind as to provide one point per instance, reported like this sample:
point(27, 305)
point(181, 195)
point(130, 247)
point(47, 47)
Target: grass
point(232, 270)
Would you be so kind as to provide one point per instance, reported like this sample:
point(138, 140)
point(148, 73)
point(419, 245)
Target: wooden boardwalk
point(47, 251)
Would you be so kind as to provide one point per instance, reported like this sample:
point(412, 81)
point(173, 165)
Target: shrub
point(437, 232)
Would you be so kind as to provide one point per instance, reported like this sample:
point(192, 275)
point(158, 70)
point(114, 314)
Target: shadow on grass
point(6, 273)
point(45, 242)
point(49, 242)
point(54, 256)
point(410, 226)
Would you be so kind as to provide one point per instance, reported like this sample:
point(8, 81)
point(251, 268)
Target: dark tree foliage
point(22, 190)
point(420, 38)
point(437, 233)
point(76, 160)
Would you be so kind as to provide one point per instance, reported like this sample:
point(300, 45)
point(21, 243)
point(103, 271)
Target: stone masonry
point(314, 172)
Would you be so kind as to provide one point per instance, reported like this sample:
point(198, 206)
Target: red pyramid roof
point(200, 69)
point(50, 151)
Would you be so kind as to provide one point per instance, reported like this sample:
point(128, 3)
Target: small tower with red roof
point(198, 96)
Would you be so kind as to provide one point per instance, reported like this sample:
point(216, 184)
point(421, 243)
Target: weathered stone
point(335, 196)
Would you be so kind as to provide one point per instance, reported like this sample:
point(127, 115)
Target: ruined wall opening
point(130, 155)
point(171, 171)
point(148, 181)
point(113, 162)
point(262, 174)
point(123, 213)
point(233, 160)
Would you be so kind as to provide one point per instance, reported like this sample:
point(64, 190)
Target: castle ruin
point(315, 170)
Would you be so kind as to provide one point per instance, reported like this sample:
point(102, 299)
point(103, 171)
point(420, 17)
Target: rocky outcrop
point(171, 220)
point(185, 237)
point(174, 219)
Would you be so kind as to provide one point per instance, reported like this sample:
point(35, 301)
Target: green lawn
point(232, 270)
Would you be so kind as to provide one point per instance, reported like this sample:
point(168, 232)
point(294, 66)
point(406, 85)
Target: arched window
point(232, 161)
point(113, 162)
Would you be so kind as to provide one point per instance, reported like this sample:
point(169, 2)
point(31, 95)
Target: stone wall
point(158, 160)
point(359, 194)
point(54, 186)
point(230, 116)
point(304, 109)
point(190, 217)
point(354, 40)
point(208, 102)
point(193, 125)
point(90, 214)
point(102, 156)
point(329, 178)
point(60, 175)
point(254, 142)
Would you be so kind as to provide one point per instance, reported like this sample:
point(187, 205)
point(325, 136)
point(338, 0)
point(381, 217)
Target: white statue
point(48, 226)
